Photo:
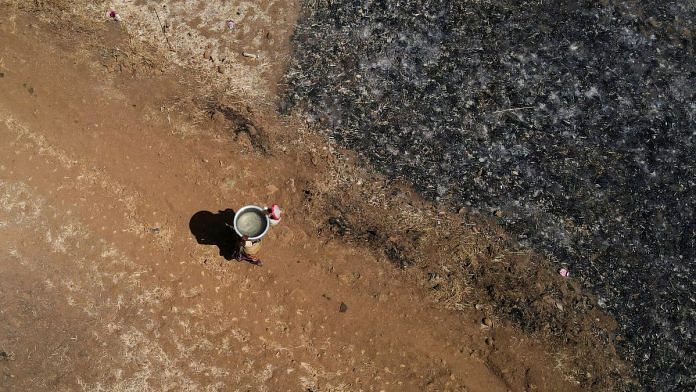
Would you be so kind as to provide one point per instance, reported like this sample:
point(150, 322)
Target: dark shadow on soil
point(241, 123)
point(216, 229)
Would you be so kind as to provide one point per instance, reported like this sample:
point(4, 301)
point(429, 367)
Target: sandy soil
point(110, 277)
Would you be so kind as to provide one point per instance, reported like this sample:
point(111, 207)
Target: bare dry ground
point(114, 135)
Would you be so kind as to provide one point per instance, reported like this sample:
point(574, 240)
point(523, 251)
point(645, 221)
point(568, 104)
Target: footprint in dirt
point(215, 229)
point(29, 89)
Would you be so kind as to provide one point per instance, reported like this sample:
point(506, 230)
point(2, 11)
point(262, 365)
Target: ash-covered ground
point(573, 121)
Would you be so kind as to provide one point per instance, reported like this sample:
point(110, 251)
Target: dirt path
point(104, 287)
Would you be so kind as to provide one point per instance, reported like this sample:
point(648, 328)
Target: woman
point(251, 249)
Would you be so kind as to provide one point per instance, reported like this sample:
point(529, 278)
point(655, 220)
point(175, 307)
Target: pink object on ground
point(231, 24)
point(564, 272)
point(114, 15)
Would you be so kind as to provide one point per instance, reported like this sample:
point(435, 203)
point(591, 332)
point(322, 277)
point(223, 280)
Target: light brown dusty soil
point(107, 153)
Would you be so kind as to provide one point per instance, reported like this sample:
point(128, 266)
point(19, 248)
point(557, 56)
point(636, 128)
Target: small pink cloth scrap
point(114, 15)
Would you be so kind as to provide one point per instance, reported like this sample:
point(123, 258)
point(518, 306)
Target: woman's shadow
point(216, 229)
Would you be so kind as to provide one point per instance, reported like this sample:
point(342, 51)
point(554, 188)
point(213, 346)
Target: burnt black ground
point(573, 119)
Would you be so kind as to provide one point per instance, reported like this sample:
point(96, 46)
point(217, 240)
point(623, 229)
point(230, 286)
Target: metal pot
point(251, 221)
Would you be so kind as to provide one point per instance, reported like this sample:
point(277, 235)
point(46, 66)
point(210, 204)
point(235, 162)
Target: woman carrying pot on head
point(250, 249)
